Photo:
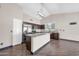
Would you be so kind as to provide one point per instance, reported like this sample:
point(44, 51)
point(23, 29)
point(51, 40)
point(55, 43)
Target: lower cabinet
point(34, 43)
point(28, 43)
point(54, 36)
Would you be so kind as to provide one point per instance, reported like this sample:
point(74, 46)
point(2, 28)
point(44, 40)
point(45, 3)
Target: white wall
point(70, 32)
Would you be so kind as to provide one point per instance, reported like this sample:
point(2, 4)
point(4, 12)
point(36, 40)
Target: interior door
point(17, 31)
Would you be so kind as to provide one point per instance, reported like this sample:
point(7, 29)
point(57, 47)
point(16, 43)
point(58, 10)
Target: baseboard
point(9, 47)
point(6, 47)
point(70, 40)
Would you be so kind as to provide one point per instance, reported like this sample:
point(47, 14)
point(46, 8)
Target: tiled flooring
point(54, 48)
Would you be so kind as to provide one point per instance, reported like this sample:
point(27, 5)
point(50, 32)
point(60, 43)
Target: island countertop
point(36, 34)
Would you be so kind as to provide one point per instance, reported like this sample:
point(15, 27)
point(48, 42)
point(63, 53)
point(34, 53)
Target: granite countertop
point(36, 34)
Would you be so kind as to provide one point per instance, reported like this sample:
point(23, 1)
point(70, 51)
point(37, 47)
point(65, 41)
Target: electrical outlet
point(1, 43)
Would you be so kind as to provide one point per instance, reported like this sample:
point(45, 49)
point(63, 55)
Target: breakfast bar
point(35, 41)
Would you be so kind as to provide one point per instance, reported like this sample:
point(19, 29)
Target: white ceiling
point(32, 9)
point(49, 8)
point(62, 7)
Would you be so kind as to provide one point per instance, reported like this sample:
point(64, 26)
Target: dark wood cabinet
point(42, 27)
point(54, 36)
point(28, 43)
point(35, 26)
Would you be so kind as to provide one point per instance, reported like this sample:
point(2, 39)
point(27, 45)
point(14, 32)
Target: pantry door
point(17, 31)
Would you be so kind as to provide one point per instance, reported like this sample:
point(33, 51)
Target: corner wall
point(8, 12)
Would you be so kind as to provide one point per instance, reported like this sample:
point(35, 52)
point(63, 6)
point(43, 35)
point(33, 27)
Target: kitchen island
point(35, 41)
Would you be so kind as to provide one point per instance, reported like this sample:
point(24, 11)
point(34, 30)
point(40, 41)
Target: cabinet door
point(28, 43)
point(42, 26)
point(39, 41)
